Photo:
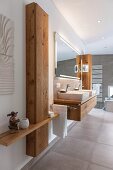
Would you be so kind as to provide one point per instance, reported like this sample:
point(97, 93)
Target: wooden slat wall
point(37, 76)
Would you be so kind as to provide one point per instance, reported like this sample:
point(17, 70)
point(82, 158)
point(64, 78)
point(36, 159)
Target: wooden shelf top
point(71, 102)
point(8, 138)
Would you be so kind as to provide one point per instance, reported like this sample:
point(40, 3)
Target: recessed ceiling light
point(99, 21)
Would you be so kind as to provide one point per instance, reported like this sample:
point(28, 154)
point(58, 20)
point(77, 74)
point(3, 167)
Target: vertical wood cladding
point(36, 76)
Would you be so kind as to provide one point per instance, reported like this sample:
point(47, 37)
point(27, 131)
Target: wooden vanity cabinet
point(36, 76)
point(77, 110)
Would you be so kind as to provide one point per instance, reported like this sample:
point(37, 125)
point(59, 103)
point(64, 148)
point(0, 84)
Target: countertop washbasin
point(91, 92)
point(73, 95)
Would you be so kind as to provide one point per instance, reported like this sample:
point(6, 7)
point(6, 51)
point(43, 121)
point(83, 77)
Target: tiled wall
point(106, 61)
point(74, 83)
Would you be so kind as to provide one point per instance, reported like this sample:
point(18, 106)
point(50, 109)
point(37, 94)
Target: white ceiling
point(83, 16)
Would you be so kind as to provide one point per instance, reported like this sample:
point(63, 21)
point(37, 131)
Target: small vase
point(24, 123)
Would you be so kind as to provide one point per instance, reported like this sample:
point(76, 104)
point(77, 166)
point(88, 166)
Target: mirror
point(65, 58)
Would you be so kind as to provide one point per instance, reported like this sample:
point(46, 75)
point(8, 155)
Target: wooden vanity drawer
point(83, 111)
point(73, 113)
point(88, 106)
point(91, 103)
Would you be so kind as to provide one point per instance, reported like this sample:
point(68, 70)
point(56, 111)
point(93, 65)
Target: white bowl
point(24, 123)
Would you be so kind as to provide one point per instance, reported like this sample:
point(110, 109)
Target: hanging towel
point(96, 87)
point(60, 123)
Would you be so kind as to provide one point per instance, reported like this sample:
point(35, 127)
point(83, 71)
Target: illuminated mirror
point(65, 58)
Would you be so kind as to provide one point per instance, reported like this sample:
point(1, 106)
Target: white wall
point(13, 157)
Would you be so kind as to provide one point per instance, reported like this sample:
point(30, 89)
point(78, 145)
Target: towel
point(60, 123)
point(96, 87)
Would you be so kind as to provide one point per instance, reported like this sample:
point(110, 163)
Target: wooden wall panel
point(37, 141)
point(42, 63)
point(86, 76)
point(37, 76)
point(78, 62)
point(42, 135)
point(30, 63)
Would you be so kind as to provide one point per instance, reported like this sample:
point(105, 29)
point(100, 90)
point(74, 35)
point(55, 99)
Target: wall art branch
point(6, 55)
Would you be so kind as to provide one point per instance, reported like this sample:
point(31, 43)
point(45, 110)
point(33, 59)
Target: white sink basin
point(73, 95)
point(91, 92)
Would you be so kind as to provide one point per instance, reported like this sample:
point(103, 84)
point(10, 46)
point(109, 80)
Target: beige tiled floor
point(88, 146)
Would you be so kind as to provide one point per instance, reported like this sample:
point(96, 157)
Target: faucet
point(67, 87)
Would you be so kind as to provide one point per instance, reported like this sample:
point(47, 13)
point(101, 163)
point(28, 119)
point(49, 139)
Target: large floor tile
point(56, 161)
point(90, 124)
point(103, 155)
point(105, 139)
point(93, 118)
point(106, 135)
point(99, 113)
point(108, 117)
point(84, 133)
point(80, 149)
point(96, 115)
point(96, 167)
point(89, 146)
point(107, 127)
